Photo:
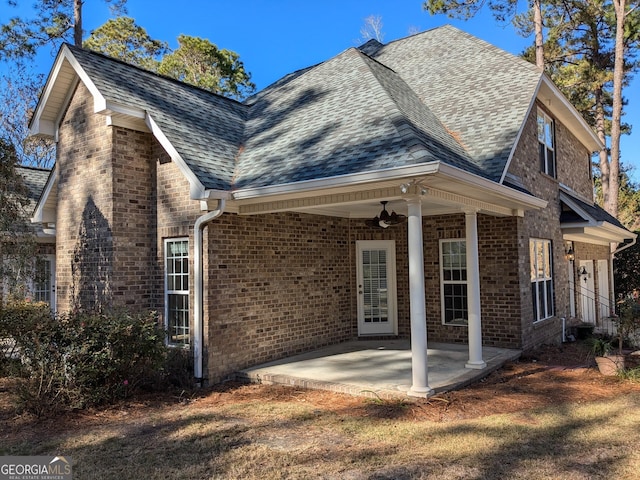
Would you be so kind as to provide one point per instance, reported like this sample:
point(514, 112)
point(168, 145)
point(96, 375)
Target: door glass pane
point(374, 283)
point(42, 287)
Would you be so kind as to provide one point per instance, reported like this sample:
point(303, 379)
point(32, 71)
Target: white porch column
point(420, 386)
point(473, 293)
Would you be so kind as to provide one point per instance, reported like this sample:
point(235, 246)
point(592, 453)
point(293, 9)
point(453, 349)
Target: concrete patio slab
point(376, 368)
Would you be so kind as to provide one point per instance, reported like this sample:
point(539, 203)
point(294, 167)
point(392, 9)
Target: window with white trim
point(541, 278)
point(176, 255)
point(453, 282)
point(546, 143)
point(42, 281)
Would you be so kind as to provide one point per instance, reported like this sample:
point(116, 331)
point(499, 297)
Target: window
point(541, 279)
point(42, 281)
point(453, 278)
point(546, 143)
point(176, 253)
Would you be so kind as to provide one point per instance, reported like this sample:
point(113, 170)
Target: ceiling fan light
point(386, 219)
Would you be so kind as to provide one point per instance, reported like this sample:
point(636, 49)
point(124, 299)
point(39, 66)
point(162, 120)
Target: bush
point(84, 359)
point(17, 318)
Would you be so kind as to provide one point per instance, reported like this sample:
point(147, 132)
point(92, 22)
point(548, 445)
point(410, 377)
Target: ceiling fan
point(385, 219)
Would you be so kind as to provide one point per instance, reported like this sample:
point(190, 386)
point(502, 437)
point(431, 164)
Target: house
point(20, 275)
point(432, 187)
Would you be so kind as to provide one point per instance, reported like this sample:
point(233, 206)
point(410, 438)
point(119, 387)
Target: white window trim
point(392, 303)
point(537, 280)
point(444, 282)
point(546, 118)
point(49, 283)
point(168, 292)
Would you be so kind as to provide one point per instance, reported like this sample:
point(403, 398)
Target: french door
point(376, 274)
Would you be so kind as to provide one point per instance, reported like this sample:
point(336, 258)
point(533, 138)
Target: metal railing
point(595, 309)
point(600, 311)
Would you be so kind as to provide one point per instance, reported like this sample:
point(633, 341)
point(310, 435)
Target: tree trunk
point(77, 23)
point(537, 21)
point(618, 76)
point(602, 135)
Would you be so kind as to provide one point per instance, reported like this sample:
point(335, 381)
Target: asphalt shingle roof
point(347, 115)
point(34, 180)
point(204, 128)
point(594, 211)
point(441, 95)
point(478, 91)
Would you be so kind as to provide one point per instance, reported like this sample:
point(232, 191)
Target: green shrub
point(16, 319)
point(630, 374)
point(85, 359)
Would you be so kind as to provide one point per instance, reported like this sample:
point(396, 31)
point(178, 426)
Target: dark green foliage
point(83, 359)
point(199, 62)
point(17, 242)
point(626, 269)
point(123, 39)
point(51, 23)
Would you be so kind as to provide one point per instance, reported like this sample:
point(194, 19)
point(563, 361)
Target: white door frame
point(587, 292)
point(604, 296)
point(572, 288)
point(389, 327)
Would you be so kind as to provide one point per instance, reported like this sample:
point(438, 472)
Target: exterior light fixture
point(569, 253)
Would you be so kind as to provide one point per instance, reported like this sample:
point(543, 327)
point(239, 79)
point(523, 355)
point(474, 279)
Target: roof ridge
point(31, 167)
point(410, 119)
point(147, 72)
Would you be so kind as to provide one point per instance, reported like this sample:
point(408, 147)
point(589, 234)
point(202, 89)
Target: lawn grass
point(286, 436)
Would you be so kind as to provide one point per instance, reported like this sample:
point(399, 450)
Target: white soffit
point(448, 191)
point(565, 113)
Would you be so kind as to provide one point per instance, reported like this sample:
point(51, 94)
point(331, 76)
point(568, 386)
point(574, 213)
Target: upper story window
point(546, 143)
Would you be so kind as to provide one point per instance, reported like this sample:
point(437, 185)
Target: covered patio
point(377, 369)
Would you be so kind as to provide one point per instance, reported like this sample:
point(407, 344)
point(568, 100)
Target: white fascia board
point(613, 231)
point(38, 214)
point(112, 107)
point(508, 193)
point(601, 231)
point(571, 110)
point(593, 141)
point(42, 127)
point(35, 122)
point(196, 190)
point(338, 181)
point(38, 126)
point(99, 102)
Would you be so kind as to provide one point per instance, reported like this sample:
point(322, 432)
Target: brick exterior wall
point(105, 222)
point(499, 289)
point(84, 236)
point(281, 284)
point(573, 170)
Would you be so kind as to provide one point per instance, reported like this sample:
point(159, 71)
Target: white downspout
point(198, 296)
point(625, 246)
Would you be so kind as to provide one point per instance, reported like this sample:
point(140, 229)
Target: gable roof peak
point(370, 47)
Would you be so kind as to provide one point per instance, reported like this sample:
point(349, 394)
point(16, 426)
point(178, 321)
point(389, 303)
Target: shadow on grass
point(278, 435)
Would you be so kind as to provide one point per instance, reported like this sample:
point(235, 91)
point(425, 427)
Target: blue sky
point(276, 37)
